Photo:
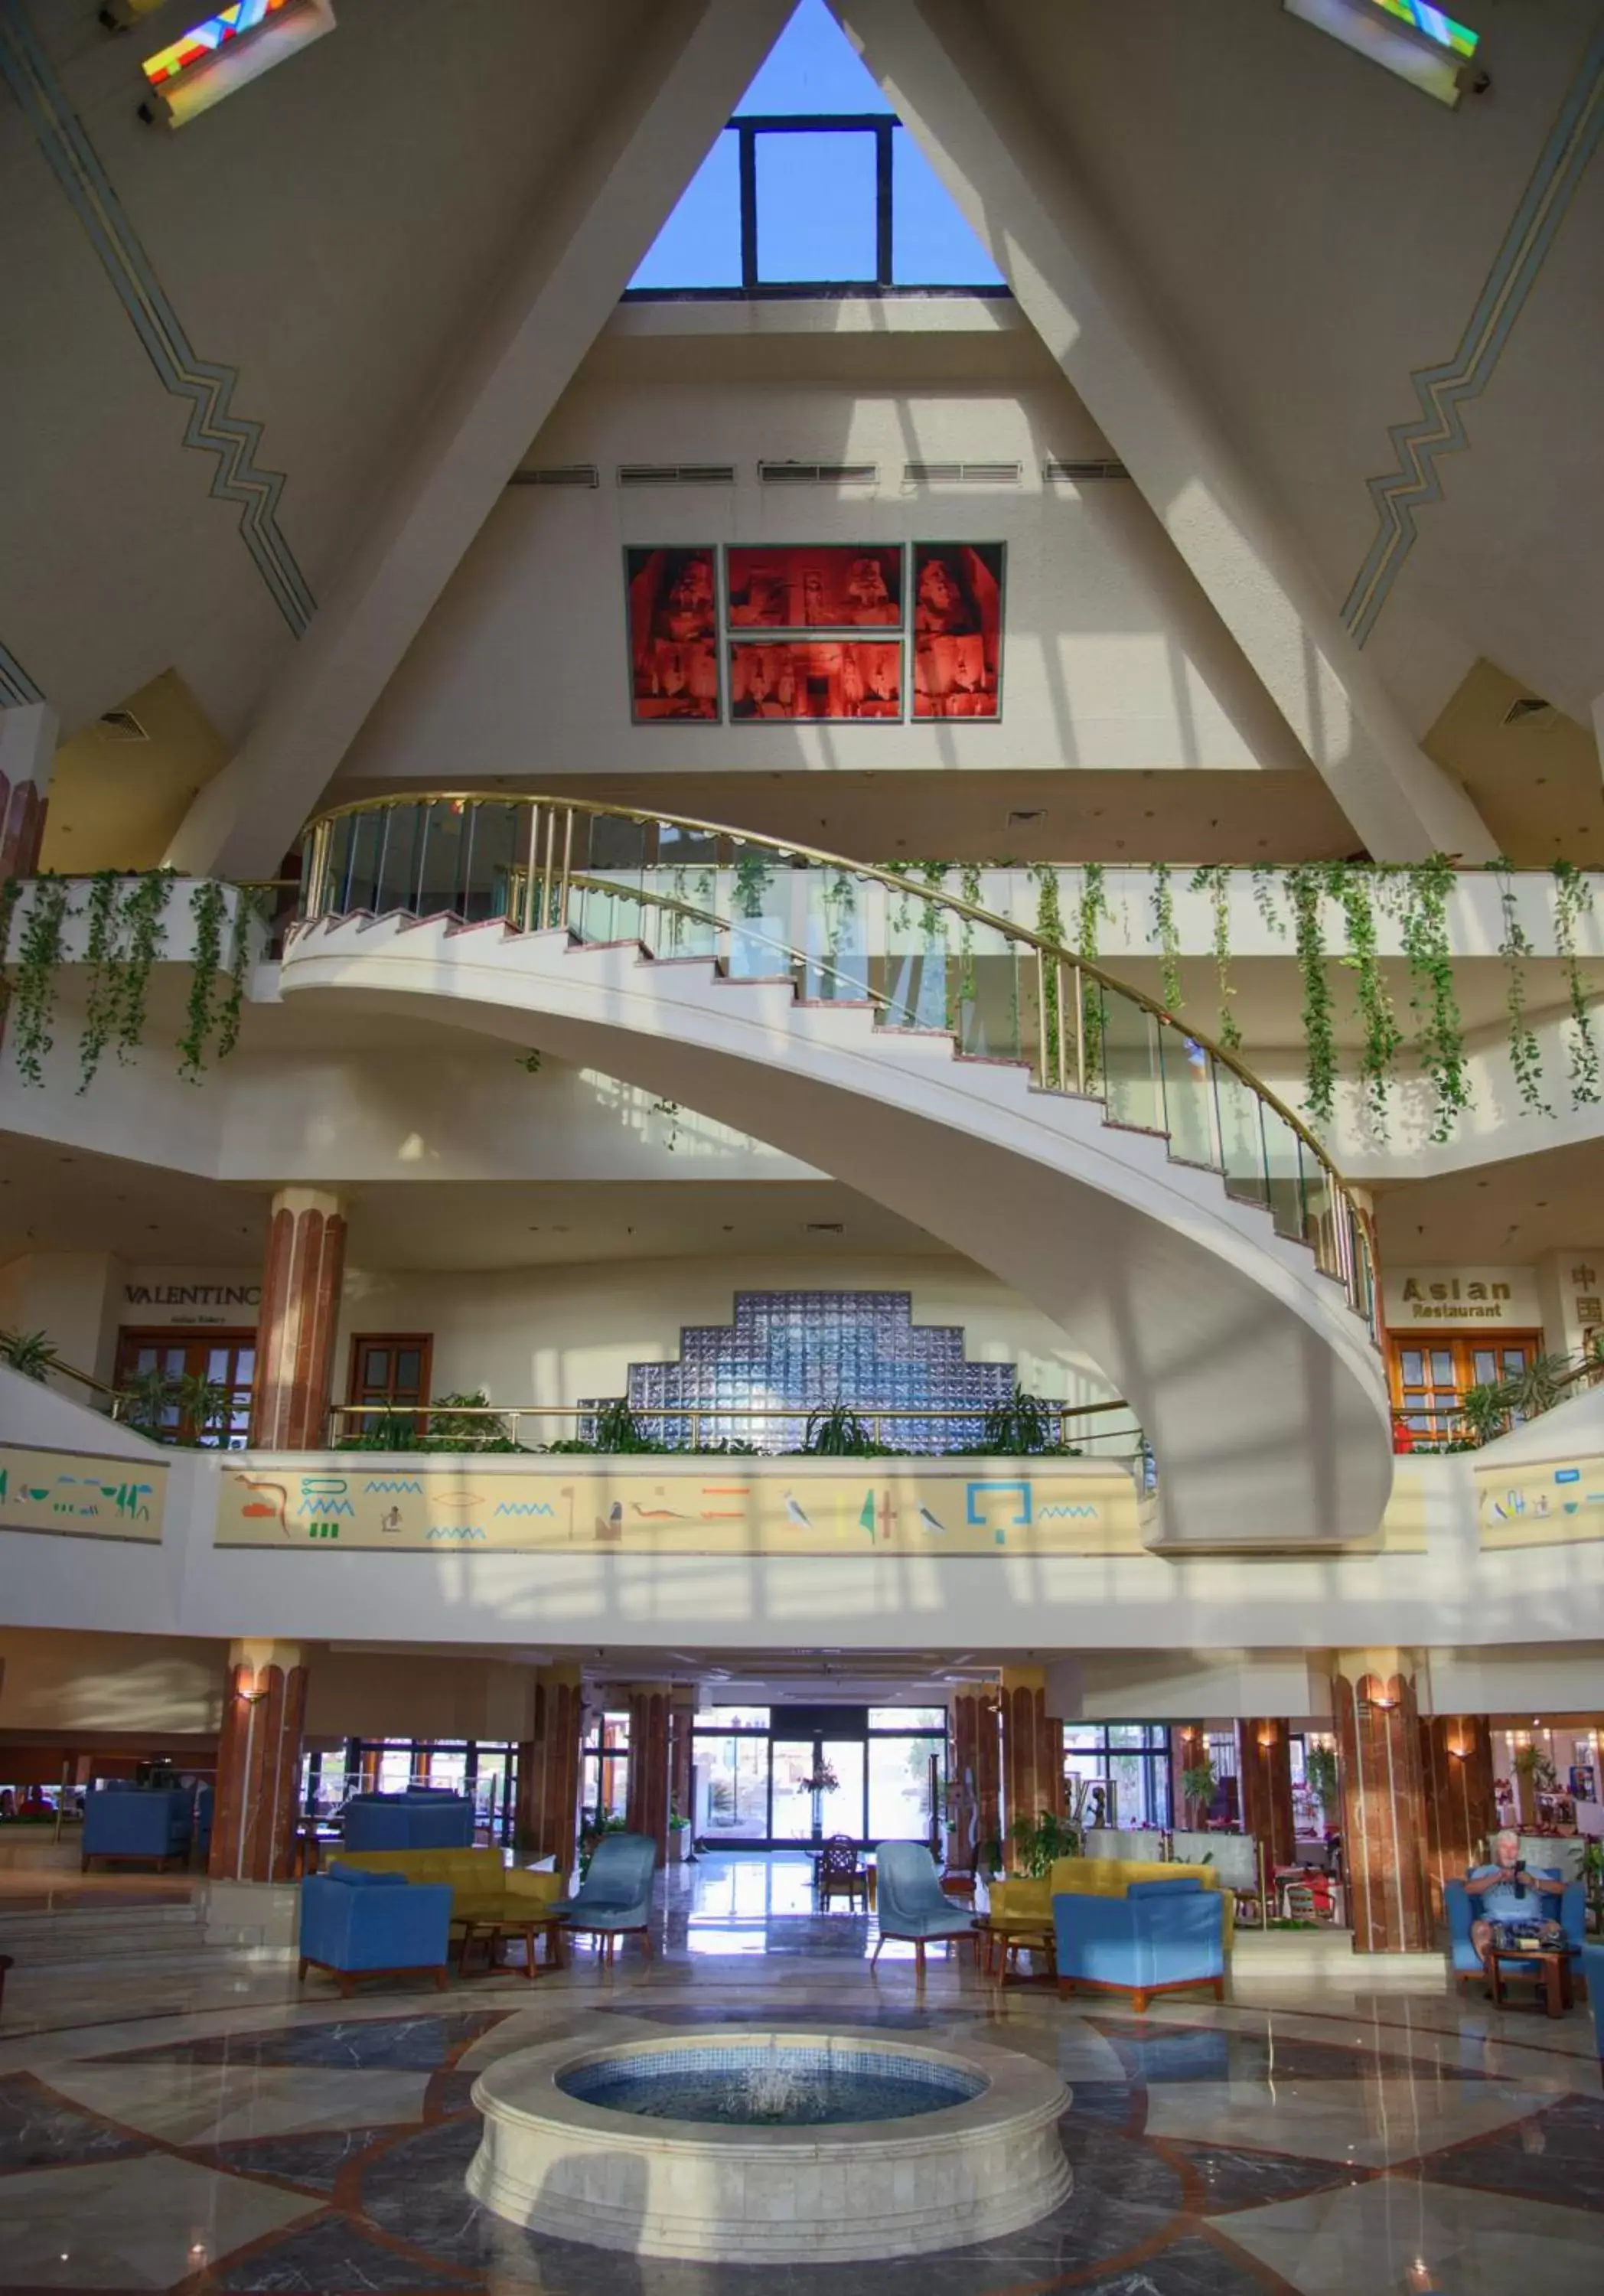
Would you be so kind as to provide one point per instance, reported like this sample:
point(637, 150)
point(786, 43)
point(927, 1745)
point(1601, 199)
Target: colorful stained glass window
point(204, 39)
point(1435, 24)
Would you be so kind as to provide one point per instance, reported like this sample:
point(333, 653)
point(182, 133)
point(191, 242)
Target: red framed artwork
point(822, 679)
point(815, 586)
point(957, 628)
point(673, 637)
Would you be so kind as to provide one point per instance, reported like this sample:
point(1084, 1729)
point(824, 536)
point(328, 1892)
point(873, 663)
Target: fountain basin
point(978, 2155)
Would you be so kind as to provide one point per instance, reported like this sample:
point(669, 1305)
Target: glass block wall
point(787, 1353)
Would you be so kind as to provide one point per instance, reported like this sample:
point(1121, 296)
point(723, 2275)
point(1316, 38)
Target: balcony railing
point(842, 932)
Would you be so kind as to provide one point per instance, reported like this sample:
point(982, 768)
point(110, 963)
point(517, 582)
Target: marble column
point(258, 1764)
point(975, 1814)
point(1264, 1755)
point(1033, 1749)
point(547, 1813)
point(681, 1725)
point(300, 1313)
point(1383, 1800)
point(1456, 1761)
point(646, 1810)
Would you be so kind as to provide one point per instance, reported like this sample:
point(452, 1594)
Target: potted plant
point(27, 1352)
point(679, 1837)
point(1038, 1840)
point(1319, 1775)
point(1197, 1786)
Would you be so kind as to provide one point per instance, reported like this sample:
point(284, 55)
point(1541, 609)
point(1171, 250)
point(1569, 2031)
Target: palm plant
point(1020, 1424)
point(838, 1434)
point(1484, 1411)
point(27, 1352)
point(147, 1401)
point(1541, 1384)
point(1037, 1841)
point(202, 1406)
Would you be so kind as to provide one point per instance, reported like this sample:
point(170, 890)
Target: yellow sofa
point(1097, 1877)
point(483, 1889)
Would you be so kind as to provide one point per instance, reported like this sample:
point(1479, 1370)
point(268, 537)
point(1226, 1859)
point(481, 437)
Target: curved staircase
point(1229, 1301)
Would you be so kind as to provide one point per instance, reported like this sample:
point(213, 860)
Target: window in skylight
point(1420, 44)
point(224, 51)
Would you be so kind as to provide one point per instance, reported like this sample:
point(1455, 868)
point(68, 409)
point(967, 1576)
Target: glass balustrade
point(909, 951)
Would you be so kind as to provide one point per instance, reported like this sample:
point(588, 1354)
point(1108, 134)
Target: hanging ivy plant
point(1514, 945)
point(1440, 1034)
point(233, 995)
point(753, 874)
point(38, 959)
point(1050, 924)
point(1215, 880)
point(902, 871)
point(1573, 894)
point(1169, 946)
point(144, 915)
point(102, 955)
point(208, 904)
point(1354, 889)
point(840, 907)
point(1263, 895)
point(1307, 886)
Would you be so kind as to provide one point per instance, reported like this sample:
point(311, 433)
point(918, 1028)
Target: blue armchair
point(125, 1823)
point(912, 1905)
point(409, 1821)
point(1593, 1970)
point(359, 1924)
point(1158, 1938)
point(614, 1900)
point(1563, 1902)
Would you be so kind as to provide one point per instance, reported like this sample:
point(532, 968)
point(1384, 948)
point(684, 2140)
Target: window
point(604, 1789)
point(814, 186)
point(1430, 1375)
point(224, 51)
point(1117, 1774)
point(1418, 42)
point(387, 1367)
point(208, 1375)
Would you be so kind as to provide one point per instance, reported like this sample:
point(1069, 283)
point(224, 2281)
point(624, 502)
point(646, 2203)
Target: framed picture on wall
point(673, 634)
point(794, 585)
point(957, 630)
point(830, 679)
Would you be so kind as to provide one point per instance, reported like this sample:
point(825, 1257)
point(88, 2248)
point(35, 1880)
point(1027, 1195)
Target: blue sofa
point(1564, 1902)
point(148, 1824)
point(1158, 1938)
point(409, 1821)
point(911, 1904)
point(1593, 1970)
point(614, 1900)
point(360, 1924)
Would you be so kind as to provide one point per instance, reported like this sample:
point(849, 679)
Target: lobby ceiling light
point(1410, 38)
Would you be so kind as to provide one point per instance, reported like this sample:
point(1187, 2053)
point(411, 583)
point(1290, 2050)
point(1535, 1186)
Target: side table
point(508, 1926)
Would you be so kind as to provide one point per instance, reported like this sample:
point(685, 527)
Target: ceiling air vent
point(963, 474)
point(1055, 473)
point(826, 1227)
point(676, 474)
point(1528, 709)
point(121, 726)
point(558, 474)
point(819, 475)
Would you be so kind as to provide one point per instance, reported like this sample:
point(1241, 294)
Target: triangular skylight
point(847, 207)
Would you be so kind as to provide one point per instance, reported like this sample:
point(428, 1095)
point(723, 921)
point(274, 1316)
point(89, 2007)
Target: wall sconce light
point(1384, 1702)
point(1460, 1753)
point(1266, 1742)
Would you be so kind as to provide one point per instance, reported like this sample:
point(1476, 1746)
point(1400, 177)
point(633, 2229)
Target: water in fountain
point(776, 2084)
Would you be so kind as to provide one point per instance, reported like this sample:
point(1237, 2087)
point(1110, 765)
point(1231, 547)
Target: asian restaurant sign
point(1447, 1298)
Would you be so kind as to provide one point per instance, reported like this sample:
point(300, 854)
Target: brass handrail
point(873, 1416)
point(1053, 1061)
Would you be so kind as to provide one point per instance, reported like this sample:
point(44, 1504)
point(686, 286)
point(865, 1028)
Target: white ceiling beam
point(575, 251)
point(980, 128)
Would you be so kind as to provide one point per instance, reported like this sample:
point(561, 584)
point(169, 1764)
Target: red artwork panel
point(833, 678)
point(672, 643)
point(957, 628)
point(816, 586)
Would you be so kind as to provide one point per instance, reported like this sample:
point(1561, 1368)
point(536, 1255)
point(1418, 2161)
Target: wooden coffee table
point(1555, 1972)
point(528, 1927)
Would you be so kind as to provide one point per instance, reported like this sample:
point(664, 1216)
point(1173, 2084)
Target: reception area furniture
point(142, 1825)
point(912, 1905)
point(409, 1821)
point(484, 1888)
point(1101, 1877)
point(1158, 1938)
point(362, 1924)
point(614, 1900)
point(531, 1924)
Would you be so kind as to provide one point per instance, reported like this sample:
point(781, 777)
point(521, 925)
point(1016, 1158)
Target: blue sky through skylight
point(816, 220)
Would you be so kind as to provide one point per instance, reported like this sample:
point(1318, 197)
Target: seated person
point(1506, 1894)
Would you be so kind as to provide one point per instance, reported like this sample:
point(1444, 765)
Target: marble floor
point(219, 2128)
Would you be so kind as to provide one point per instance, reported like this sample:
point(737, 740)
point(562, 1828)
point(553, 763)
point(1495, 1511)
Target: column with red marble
point(258, 1764)
point(299, 1315)
point(1374, 1709)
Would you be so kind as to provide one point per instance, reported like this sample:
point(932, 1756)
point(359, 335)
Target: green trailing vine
point(1092, 912)
point(38, 959)
point(1354, 889)
point(143, 921)
point(1572, 895)
point(1306, 885)
point(1050, 924)
point(1215, 880)
point(1169, 946)
point(208, 906)
point(102, 955)
point(1514, 945)
point(1264, 900)
point(232, 1005)
point(1440, 1031)
point(840, 900)
point(753, 874)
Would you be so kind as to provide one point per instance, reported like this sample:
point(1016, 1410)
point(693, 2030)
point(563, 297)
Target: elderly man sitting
point(1505, 1892)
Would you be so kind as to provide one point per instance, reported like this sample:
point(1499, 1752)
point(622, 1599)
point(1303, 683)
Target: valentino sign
point(192, 1295)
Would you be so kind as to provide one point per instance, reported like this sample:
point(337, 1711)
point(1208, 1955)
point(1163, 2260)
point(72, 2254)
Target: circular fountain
point(770, 2146)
